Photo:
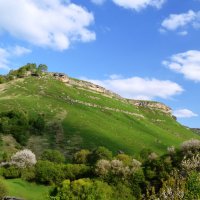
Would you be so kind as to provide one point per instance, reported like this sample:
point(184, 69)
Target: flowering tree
point(23, 159)
point(191, 146)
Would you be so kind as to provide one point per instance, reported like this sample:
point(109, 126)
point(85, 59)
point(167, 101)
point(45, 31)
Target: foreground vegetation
point(106, 148)
point(100, 175)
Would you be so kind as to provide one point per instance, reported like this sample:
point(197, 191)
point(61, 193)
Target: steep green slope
point(79, 117)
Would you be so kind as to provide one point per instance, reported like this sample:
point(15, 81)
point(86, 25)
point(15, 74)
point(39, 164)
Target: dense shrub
point(100, 153)
point(76, 171)
point(82, 156)
point(48, 172)
point(193, 186)
point(28, 174)
point(84, 189)
point(53, 156)
point(11, 172)
point(191, 146)
point(19, 125)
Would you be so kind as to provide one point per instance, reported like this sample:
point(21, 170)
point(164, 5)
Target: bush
point(76, 171)
point(191, 146)
point(193, 186)
point(84, 189)
point(100, 153)
point(53, 156)
point(28, 174)
point(82, 156)
point(48, 172)
point(11, 172)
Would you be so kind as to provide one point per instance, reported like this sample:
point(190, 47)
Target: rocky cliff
point(96, 88)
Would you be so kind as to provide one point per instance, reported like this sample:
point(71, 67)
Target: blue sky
point(141, 49)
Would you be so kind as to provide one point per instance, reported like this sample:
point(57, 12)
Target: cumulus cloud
point(46, 23)
point(98, 2)
point(187, 63)
point(139, 4)
point(181, 21)
point(184, 113)
point(19, 50)
point(7, 53)
point(140, 88)
point(4, 59)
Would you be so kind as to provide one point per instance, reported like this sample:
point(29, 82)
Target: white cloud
point(115, 76)
point(181, 21)
point(139, 4)
point(184, 113)
point(46, 23)
point(8, 53)
point(4, 59)
point(140, 88)
point(19, 50)
point(183, 33)
point(98, 2)
point(187, 63)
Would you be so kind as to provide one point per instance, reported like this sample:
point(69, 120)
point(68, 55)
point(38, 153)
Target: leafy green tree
point(100, 153)
point(84, 189)
point(53, 156)
point(82, 156)
point(42, 68)
point(48, 172)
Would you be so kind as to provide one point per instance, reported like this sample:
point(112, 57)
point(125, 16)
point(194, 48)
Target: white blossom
point(190, 145)
point(23, 159)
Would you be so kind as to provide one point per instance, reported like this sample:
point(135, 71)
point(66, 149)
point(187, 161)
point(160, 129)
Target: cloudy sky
point(141, 49)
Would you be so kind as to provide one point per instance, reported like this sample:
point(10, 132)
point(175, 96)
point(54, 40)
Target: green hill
point(79, 114)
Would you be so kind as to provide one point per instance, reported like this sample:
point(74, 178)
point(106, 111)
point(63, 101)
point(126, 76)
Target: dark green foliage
point(42, 68)
point(38, 124)
point(122, 192)
point(75, 171)
point(28, 174)
point(83, 189)
point(100, 153)
point(30, 69)
point(2, 79)
point(157, 170)
point(193, 186)
point(48, 172)
point(82, 156)
point(11, 172)
point(53, 156)
point(144, 153)
point(18, 124)
point(138, 183)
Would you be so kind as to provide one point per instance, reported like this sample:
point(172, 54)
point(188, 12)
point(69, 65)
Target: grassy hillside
point(81, 118)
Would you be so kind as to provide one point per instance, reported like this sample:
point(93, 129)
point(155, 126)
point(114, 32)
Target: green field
point(26, 190)
point(84, 126)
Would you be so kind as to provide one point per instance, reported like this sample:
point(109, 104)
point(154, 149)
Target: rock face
point(152, 105)
point(60, 76)
point(93, 87)
point(96, 88)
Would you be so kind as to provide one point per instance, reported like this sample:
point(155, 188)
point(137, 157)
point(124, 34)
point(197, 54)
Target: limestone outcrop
point(152, 105)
